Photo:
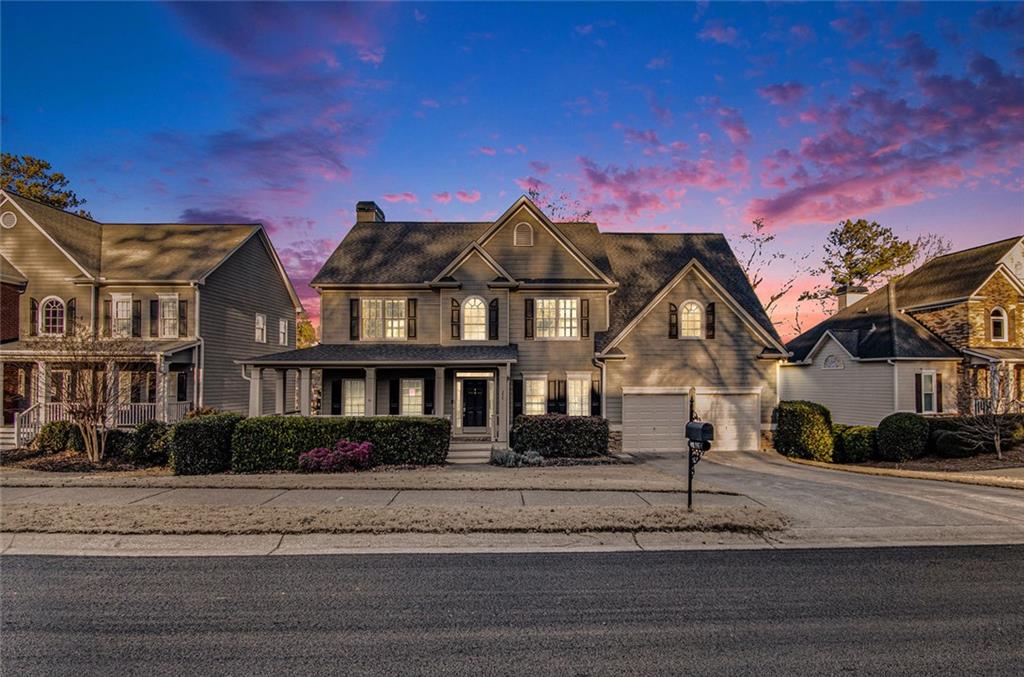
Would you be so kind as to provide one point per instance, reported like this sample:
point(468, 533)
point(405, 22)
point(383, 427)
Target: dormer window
point(523, 235)
point(997, 322)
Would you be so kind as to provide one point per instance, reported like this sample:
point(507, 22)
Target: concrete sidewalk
point(370, 498)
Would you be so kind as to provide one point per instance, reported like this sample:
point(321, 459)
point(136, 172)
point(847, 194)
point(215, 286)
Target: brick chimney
point(848, 295)
point(368, 211)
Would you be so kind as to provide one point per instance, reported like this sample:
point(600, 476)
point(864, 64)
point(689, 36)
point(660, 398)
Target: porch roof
point(29, 348)
point(387, 353)
point(997, 354)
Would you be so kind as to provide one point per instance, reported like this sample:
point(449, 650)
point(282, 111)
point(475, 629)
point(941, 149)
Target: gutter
point(197, 387)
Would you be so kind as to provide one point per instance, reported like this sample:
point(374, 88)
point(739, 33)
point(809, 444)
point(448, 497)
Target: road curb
point(958, 478)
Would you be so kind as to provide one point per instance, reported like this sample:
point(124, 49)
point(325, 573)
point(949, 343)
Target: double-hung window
point(353, 397)
point(168, 315)
point(122, 304)
point(577, 395)
point(558, 318)
point(383, 319)
point(535, 396)
point(412, 397)
point(928, 392)
point(261, 328)
point(282, 332)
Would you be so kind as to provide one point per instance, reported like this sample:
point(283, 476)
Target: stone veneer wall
point(997, 292)
point(949, 323)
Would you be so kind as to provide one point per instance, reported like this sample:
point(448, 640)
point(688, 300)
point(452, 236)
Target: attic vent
point(8, 219)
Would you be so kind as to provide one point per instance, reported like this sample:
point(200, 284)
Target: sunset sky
point(683, 117)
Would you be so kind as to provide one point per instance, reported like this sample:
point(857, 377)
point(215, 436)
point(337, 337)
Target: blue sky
point(668, 117)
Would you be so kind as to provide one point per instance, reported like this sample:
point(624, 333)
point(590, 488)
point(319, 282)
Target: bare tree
point(559, 208)
point(991, 399)
point(758, 253)
point(88, 387)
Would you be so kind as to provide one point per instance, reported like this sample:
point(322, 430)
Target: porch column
point(501, 402)
point(161, 374)
point(280, 378)
point(371, 391)
point(304, 383)
point(255, 391)
point(439, 392)
point(43, 391)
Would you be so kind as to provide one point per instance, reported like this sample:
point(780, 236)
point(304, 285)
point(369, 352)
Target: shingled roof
point(876, 326)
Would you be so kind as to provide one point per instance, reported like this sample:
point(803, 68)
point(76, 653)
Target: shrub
point(804, 430)
point(961, 442)
point(201, 411)
point(119, 444)
point(902, 436)
point(560, 435)
point(510, 459)
point(267, 443)
point(857, 444)
point(57, 436)
point(345, 456)
point(202, 445)
point(151, 444)
point(837, 441)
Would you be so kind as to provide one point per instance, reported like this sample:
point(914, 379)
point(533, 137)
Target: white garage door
point(736, 417)
point(654, 422)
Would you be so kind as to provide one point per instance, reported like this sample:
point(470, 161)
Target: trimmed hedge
point(268, 443)
point(119, 444)
point(202, 445)
point(150, 445)
point(57, 436)
point(804, 430)
point(902, 436)
point(560, 435)
point(857, 444)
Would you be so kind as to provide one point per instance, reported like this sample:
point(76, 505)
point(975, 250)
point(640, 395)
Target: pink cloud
point(467, 196)
point(372, 55)
point(540, 167)
point(532, 183)
point(803, 33)
point(486, 150)
point(400, 197)
point(716, 31)
point(444, 198)
point(783, 93)
point(658, 62)
point(732, 122)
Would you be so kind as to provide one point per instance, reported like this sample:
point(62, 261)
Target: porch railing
point(177, 410)
point(130, 415)
point(28, 423)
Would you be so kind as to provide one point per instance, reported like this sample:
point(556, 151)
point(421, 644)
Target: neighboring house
point(480, 322)
point(905, 346)
point(192, 298)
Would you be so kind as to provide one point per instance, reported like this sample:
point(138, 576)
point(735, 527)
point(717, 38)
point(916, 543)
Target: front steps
point(465, 451)
point(7, 438)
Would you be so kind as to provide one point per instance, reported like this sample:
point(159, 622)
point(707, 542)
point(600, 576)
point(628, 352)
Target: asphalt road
point(911, 611)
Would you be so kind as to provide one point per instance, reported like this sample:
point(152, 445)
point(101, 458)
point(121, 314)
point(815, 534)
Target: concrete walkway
point(379, 498)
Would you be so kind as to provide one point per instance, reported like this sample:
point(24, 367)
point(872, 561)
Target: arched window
point(998, 324)
point(523, 235)
point(690, 320)
point(474, 319)
point(51, 316)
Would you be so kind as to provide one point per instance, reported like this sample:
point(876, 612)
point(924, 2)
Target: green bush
point(951, 444)
point(803, 430)
point(560, 436)
point(901, 437)
point(268, 443)
point(837, 441)
point(857, 444)
point(119, 444)
point(57, 436)
point(960, 442)
point(151, 444)
point(202, 445)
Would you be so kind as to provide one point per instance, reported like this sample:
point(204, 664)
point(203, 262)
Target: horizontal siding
point(907, 388)
point(246, 284)
point(727, 361)
point(554, 357)
point(335, 313)
point(547, 258)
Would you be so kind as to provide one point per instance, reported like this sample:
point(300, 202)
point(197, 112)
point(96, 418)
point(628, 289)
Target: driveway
point(820, 501)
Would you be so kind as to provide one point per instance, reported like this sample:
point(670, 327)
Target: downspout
point(601, 366)
point(895, 384)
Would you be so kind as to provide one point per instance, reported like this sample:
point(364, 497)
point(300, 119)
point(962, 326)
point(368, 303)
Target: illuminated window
point(690, 320)
point(383, 319)
point(353, 397)
point(412, 397)
point(535, 396)
point(557, 318)
point(474, 320)
point(578, 397)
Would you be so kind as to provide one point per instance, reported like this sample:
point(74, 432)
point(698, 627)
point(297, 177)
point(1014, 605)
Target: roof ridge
point(964, 251)
point(43, 204)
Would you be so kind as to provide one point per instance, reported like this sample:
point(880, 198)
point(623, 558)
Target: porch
point(993, 379)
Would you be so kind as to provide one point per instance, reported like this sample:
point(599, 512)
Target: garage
point(654, 419)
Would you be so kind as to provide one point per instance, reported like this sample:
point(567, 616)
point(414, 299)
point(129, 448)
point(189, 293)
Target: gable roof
point(953, 276)
point(145, 252)
point(646, 262)
point(9, 273)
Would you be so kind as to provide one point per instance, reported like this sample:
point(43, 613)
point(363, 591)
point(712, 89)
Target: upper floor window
point(690, 317)
point(122, 305)
point(52, 316)
point(522, 236)
point(558, 318)
point(168, 315)
point(383, 319)
point(261, 328)
point(282, 332)
point(998, 321)
point(474, 319)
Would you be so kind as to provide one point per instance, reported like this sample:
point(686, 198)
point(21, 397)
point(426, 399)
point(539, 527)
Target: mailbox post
point(699, 436)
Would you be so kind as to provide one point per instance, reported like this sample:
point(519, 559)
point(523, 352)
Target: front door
point(474, 403)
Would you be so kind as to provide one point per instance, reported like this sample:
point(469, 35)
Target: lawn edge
point(956, 477)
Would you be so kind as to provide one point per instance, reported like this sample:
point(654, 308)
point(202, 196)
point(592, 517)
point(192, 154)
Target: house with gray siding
point(187, 299)
point(908, 345)
point(480, 322)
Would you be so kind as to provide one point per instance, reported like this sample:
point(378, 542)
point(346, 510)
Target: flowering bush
point(345, 456)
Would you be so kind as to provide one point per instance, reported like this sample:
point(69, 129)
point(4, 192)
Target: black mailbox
point(700, 431)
